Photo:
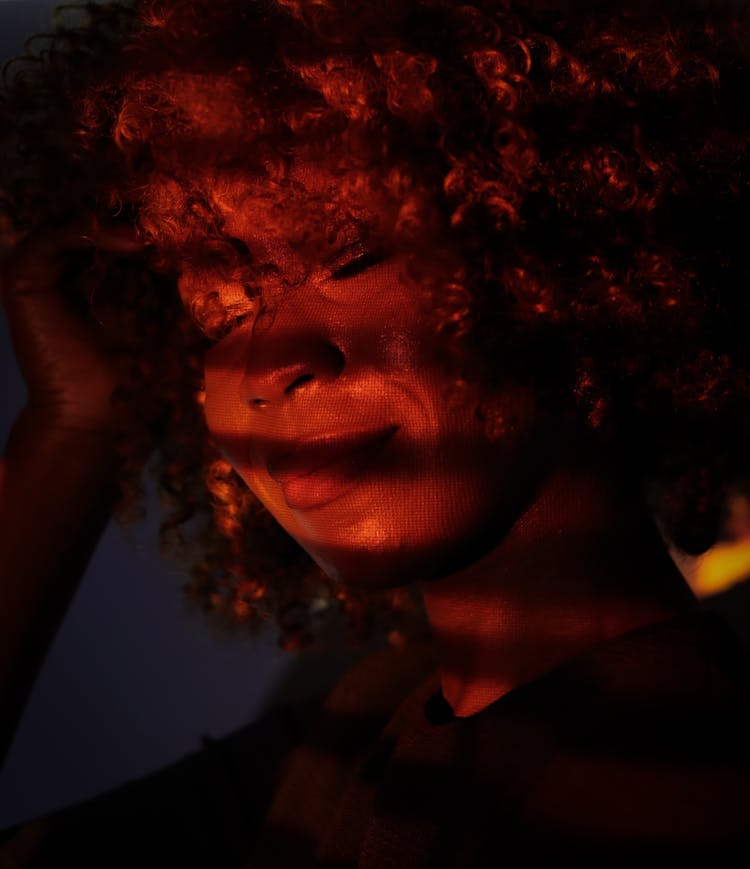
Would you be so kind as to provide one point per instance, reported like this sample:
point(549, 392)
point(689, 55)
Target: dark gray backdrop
point(131, 682)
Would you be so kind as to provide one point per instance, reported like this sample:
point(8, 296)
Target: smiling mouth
point(321, 471)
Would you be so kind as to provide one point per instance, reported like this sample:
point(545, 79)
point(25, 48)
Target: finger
point(36, 262)
point(118, 238)
point(85, 234)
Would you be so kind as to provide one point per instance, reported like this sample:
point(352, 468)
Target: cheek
point(228, 419)
point(228, 416)
point(224, 408)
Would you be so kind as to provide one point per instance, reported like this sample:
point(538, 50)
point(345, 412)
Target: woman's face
point(338, 414)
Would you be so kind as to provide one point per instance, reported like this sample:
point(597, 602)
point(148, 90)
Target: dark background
point(132, 681)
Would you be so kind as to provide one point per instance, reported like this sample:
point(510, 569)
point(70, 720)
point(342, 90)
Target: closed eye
point(362, 261)
point(217, 334)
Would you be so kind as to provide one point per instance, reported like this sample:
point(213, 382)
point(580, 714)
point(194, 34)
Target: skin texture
point(350, 348)
point(68, 374)
point(58, 471)
point(525, 559)
point(406, 510)
point(529, 547)
point(582, 563)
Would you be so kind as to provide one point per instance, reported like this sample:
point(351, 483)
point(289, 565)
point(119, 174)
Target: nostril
point(282, 364)
point(337, 360)
point(304, 378)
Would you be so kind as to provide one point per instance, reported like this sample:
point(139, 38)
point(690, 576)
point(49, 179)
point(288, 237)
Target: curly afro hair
point(589, 165)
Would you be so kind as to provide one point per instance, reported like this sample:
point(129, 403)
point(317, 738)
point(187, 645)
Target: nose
point(287, 355)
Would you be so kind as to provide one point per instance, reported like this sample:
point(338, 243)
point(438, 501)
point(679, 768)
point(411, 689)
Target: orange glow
point(722, 567)
point(727, 563)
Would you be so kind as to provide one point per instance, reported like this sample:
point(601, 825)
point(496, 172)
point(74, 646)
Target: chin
point(382, 564)
point(379, 538)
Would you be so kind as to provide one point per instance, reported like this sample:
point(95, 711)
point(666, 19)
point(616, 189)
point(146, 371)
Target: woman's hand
point(57, 477)
point(68, 372)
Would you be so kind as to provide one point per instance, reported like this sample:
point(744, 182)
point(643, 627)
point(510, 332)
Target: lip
point(315, 472)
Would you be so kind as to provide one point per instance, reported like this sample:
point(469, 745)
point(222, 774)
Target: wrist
point(40, 443)
point(47, 418)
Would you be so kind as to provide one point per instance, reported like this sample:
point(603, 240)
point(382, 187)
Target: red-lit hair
point(589, 167)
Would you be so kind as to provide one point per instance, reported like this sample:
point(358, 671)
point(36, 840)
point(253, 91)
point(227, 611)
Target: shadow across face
point(333, 401)
point(342, 420)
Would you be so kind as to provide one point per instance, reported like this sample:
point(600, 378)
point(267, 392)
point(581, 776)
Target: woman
point(449, 286)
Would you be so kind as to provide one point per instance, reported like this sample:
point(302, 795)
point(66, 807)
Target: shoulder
point(650, 746)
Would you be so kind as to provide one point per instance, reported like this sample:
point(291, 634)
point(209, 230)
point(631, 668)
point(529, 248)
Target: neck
point(582, 564)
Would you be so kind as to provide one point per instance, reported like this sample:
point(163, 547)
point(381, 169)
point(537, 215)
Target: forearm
point(56, 493)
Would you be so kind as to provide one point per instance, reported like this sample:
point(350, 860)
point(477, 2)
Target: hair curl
point(590, 167)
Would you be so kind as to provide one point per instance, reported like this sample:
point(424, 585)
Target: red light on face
point(338, 412)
